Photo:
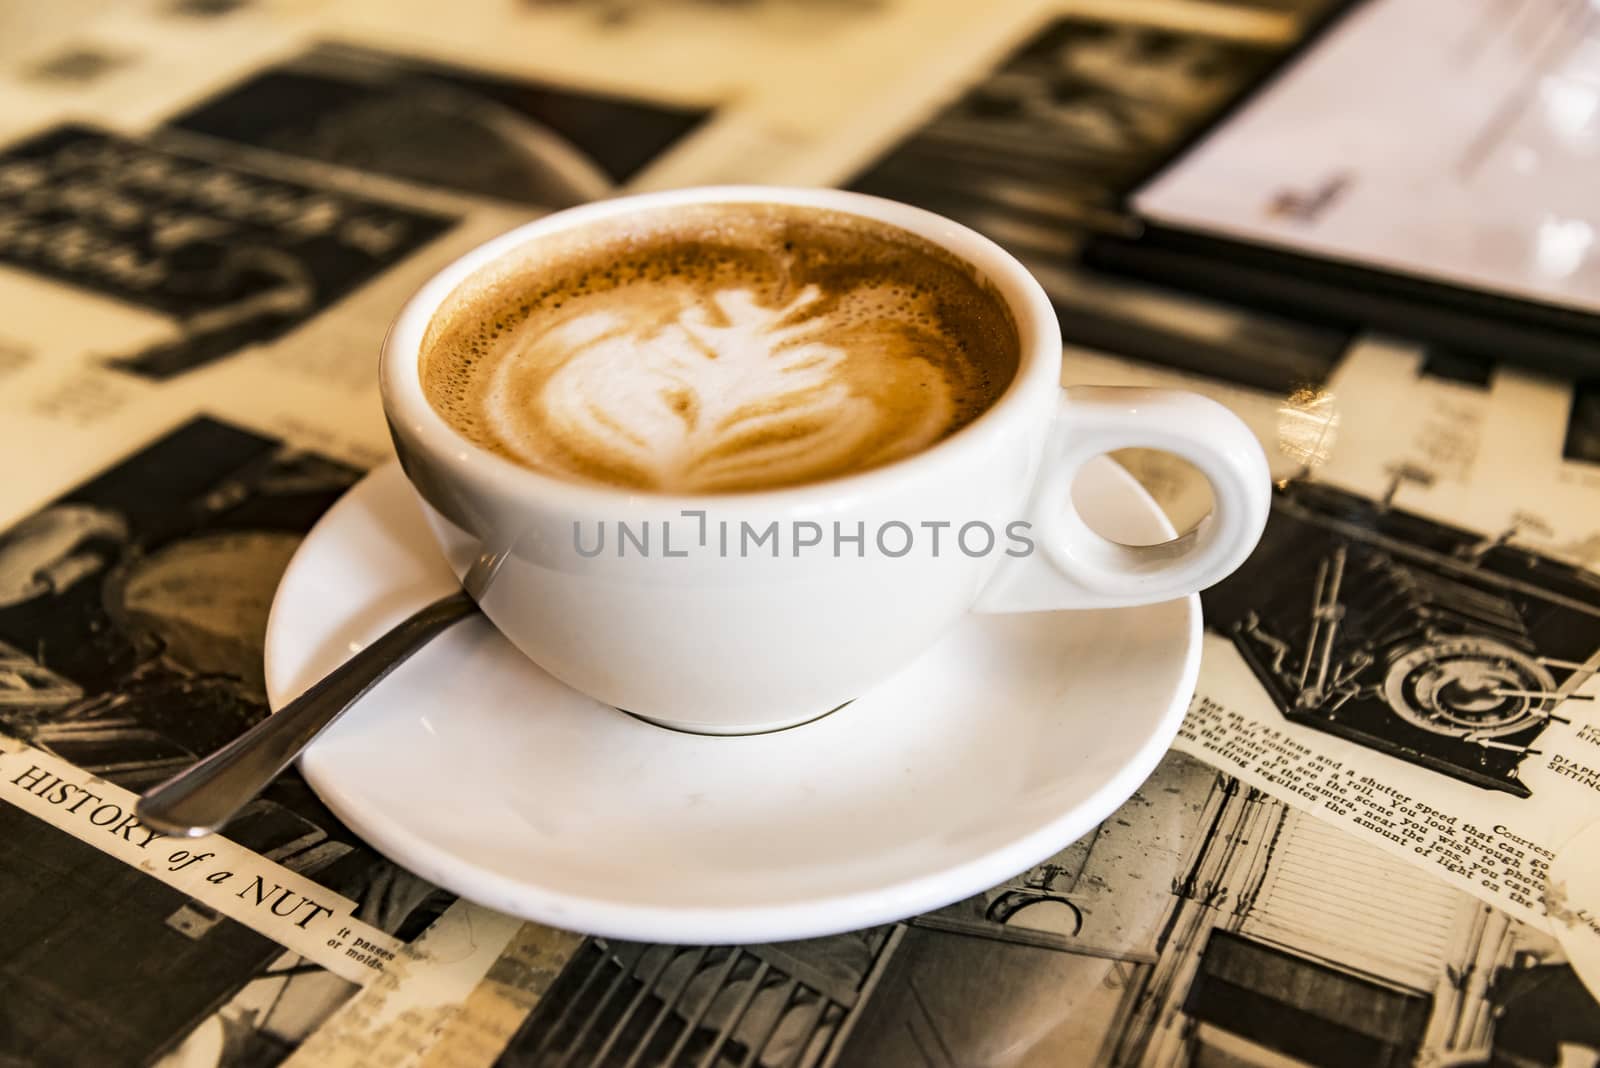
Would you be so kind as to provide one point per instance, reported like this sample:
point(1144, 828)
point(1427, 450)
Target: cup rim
point(1038, 334)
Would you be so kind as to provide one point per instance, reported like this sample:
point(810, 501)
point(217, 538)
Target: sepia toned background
point(209, 210)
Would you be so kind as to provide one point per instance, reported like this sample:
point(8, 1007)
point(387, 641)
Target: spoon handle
point(206, 795)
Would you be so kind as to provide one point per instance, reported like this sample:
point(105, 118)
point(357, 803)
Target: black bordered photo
point(230, 255)
point(516, 139)
point(132, 613)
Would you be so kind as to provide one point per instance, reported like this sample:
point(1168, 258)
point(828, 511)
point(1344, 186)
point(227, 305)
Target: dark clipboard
point(1337, 293)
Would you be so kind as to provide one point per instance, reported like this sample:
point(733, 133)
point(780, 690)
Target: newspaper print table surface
point(210, 208)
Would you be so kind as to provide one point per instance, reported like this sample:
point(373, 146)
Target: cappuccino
point(719, 348)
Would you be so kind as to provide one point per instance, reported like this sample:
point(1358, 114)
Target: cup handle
point(1073, 567)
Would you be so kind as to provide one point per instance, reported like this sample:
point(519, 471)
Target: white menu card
point(1455, 140)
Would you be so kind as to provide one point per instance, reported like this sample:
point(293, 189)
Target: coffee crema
point(719, 348)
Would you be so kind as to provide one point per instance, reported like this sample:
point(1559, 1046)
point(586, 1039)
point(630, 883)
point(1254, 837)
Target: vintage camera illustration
point(1440, 647)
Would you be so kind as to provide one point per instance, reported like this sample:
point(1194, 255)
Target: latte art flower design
point(730, 392)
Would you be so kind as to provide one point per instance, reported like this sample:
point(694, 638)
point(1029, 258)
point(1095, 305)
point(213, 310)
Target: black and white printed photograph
point(1583, 423)
point(132, 615)
point(1038, 152)
point(542, 145)
point(770, 1005)
point(102, 964)
point(1203, 924)
point(1452, 365)
point(228, 255)
point(1446, 649)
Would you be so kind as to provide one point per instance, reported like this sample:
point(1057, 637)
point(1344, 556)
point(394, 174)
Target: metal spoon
point(206, 795)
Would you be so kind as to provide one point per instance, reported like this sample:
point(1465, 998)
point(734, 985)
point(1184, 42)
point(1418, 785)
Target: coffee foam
point(719, 348)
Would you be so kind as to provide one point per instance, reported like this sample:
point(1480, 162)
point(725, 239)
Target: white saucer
point(1012, 738)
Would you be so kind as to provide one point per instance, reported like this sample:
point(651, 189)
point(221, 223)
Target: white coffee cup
point(690, 628)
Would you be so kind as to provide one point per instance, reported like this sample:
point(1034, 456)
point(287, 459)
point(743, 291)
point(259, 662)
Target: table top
point(1367, 846)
